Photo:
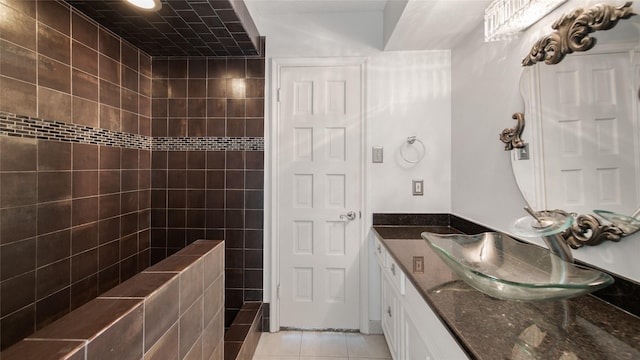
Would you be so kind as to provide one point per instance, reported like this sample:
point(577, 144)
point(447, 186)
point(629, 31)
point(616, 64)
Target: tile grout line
point(349, 355)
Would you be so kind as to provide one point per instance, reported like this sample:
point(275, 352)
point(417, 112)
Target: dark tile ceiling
point(180, 27)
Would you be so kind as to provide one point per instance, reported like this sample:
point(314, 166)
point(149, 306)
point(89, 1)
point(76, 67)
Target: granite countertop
point(581, 328)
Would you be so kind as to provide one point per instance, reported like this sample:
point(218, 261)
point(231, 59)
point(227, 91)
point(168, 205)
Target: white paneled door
point(589, 153)
point(319, 196)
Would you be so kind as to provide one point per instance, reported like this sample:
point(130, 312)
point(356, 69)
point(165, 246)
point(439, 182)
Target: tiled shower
point(207, 165)
point(111, 160)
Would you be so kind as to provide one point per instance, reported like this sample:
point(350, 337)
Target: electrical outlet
point(418, 264)
point(376, 154)
point(417, 187)
point(523, 153)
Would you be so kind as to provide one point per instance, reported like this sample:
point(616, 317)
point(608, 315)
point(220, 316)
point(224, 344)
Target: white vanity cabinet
point(390, 316)
point(412, 330)
point(414, 346)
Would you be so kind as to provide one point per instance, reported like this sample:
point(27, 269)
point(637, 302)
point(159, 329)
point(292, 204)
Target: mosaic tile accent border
point(34, 128)
point(30, 127)
point(208, 143)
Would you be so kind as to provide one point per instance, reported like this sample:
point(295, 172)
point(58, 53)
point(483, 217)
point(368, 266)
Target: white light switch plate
point(523, 153)
point(417, 187)
point(377, 154)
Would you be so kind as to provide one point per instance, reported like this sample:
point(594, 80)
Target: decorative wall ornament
point(587, 230)
point(572, 32)
point(511, 136)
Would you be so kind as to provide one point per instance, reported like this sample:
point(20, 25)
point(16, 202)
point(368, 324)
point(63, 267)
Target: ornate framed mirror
point(580, 149)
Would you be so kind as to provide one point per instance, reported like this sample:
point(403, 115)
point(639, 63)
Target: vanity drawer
point(394, 273)
point(388, 266)
point(380, 252)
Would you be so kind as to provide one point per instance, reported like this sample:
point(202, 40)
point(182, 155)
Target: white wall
point(485, 94)
point(408, 93)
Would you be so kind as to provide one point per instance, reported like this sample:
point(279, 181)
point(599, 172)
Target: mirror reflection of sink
point(628, 224)
point(505, 268)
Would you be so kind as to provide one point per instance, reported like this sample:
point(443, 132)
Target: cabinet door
point(390, 317)
point(414, 347)
point(430, 336)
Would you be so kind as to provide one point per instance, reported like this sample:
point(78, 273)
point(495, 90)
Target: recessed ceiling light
point(146, 4)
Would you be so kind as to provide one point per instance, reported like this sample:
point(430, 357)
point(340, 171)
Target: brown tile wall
point(65, 67)
point(241, 340)
point(74, 218)
point(172, 310)
point(210, 194)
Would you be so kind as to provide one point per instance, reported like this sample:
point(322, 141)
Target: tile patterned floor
point(313, 345)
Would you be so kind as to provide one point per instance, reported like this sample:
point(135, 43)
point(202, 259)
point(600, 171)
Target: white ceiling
point(430, 24)
point(317, 6)
point(422, 25)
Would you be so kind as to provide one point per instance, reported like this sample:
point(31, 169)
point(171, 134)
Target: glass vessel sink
point(505, 268)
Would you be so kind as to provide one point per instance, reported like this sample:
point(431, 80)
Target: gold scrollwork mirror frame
point(571, 34)
point(511, 137)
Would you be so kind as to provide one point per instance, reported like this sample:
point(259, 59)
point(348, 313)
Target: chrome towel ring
point(411, 140)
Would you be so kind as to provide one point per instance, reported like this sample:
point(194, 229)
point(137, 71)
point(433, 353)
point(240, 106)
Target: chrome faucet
point(555, 242)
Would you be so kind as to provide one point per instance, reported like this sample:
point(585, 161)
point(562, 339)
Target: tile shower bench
point(171, 310)
point(585, 327)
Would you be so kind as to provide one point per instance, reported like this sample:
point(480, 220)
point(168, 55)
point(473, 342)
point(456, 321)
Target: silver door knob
point(351, 215)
